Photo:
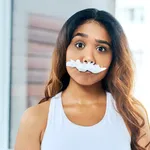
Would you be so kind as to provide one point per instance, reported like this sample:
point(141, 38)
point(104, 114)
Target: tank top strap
point(54, 110)
point(112, 109)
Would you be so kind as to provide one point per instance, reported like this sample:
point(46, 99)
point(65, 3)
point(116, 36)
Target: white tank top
point(110, 133)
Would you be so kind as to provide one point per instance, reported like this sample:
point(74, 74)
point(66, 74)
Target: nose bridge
point(89, 54)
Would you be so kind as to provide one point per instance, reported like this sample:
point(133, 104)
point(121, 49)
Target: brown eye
point(101, 49)
point(80, 45)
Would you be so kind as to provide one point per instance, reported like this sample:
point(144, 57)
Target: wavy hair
point(119, 79)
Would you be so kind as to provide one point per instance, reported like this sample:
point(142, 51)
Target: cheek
point(104, 60)
point(70, 53)
point(73, 53)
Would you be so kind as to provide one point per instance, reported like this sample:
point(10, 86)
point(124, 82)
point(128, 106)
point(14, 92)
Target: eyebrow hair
point(98, 41)
point(80, 34)
point(103, 42)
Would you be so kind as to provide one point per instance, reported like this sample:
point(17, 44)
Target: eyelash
point(79, 43)
point(104, 48)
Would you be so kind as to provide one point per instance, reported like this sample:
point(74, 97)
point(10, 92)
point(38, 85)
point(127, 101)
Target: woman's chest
point(85, 115)
point(91, 139)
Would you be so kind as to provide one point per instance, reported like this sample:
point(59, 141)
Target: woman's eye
point(80, 45)
point(101, 48)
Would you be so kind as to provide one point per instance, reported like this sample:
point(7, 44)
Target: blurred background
point(28, 32)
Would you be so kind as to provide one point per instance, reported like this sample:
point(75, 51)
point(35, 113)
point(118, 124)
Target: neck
point(82, 93)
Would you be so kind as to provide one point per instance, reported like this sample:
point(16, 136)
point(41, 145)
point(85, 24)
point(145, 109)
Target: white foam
point(83, 67)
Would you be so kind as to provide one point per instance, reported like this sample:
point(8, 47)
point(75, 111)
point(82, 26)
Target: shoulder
point(31, 126)
point(34, 113)
point(34, 119)
point(36, 110)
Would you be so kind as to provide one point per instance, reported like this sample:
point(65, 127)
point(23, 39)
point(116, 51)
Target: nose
point(87, 60)
point(88, 57)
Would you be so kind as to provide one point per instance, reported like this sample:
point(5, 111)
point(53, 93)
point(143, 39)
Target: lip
point(87, 72)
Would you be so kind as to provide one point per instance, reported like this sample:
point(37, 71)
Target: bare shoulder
point(35, 113)
point(36, 116)
point(32, 125)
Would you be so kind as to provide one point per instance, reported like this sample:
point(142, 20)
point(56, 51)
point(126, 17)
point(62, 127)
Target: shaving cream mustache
point(83, 67)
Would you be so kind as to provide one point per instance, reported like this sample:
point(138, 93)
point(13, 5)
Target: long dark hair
point(120, 76)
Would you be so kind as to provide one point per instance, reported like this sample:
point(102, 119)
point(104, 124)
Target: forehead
point(94, 30)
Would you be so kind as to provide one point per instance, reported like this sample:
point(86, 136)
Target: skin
point(86, 106)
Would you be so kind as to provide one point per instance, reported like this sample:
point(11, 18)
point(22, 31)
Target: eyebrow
point(86, 36)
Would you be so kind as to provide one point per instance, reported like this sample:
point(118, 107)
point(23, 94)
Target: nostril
point(91, 62)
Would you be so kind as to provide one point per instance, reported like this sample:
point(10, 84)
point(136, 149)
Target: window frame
point(5, 62)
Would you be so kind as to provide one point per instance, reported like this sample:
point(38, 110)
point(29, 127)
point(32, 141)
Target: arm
point(28, 137)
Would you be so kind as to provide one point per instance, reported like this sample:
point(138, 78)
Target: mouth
point(87, 71)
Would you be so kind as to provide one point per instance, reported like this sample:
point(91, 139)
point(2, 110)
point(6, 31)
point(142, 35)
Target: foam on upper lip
point(85, 66)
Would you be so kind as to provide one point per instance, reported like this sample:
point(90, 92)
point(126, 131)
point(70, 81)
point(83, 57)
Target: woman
point(88, 100)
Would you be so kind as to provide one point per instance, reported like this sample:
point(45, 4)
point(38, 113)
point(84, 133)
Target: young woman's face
point(90, 43)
